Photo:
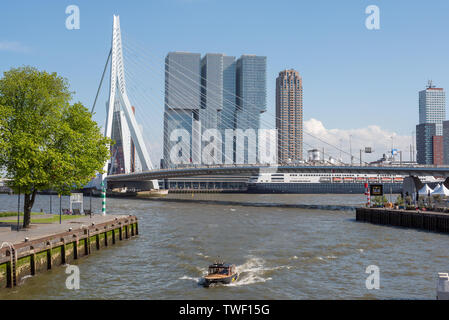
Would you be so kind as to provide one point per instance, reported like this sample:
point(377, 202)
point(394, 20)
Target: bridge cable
point(313, 136)
point(101, 81)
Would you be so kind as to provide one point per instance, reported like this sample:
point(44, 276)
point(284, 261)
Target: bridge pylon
point(124, 118)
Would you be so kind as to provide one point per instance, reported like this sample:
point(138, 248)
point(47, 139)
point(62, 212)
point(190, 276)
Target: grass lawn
point(14, 214)
point(53, 219)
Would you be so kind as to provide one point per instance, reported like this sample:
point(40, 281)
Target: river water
point(280, 253)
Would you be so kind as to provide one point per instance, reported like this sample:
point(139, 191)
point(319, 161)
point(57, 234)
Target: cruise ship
point(340, 183)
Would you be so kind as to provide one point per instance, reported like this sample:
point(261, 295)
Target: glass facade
point(251, 91)
point(424, 142)
point(227, 115)
point(215, 92)
point(432, 107)
point(446, 142)
point(251, 98)
point(182, 98)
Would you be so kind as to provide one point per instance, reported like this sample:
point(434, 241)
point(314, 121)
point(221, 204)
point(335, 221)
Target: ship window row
point(330, 175)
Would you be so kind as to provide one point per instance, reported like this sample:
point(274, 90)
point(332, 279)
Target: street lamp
point(350, 147)
point(366, 150)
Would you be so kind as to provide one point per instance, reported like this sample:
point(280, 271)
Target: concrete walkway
point(37, 231)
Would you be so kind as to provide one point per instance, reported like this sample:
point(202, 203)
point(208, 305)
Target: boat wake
point(254, 271)
point(196, 279)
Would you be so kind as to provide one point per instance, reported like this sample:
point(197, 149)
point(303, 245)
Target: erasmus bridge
point(130, 161)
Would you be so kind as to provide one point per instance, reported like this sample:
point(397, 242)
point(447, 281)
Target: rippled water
point(280, 253)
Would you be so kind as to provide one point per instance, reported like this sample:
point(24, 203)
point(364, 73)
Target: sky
point(357, 82)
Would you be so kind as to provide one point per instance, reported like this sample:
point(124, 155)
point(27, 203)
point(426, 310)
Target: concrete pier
point(44, 247)
point(424, 220)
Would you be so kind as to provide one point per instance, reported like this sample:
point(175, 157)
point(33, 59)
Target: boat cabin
point(223, 269)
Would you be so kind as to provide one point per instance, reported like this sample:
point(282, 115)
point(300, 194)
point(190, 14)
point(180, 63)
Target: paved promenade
point(42, 230)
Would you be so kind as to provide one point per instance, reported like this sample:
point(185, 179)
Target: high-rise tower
point(432, 107)
point(289, 116)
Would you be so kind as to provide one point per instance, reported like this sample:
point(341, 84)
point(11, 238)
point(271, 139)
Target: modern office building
point(251, 99)
point(251, 90)
point(182, 103)
point(446, 142)
point(227, 117)
point(424, 142)
point(289, 116)
point(218, 96)
point(432, 107)
point(213, 92)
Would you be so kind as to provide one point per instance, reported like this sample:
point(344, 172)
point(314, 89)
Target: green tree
point(46, 142)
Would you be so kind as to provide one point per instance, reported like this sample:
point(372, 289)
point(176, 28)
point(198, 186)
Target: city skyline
point(329, 66)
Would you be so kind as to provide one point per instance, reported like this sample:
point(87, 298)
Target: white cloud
point(378, 139)
point(13, 46)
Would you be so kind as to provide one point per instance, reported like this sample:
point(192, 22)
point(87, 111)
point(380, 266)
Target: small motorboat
point(220, 272)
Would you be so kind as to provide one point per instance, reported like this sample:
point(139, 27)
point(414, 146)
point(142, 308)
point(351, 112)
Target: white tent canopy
point(424, 191)
point(441, 190)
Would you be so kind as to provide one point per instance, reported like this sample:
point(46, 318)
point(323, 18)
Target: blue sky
point(353, 77)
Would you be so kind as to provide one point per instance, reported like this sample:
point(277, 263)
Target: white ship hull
point(310, 183)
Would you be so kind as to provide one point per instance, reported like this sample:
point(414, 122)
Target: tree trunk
point(27, 206)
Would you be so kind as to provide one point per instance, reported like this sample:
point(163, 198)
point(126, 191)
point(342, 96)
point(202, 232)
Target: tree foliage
point(46, 142)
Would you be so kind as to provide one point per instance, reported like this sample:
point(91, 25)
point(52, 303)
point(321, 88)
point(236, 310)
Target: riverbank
point(41, 247)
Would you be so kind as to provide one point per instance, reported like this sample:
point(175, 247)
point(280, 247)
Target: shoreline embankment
point(414, 219)
point(41, 248)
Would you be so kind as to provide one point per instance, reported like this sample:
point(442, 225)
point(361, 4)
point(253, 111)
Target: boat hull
point(318, 188)
point(206, 282)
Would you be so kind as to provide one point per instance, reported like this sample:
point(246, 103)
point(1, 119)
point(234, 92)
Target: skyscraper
point(424, 142)
point(251, 89)
point(213, 92)
point(446, 142)
point(182, 102)
point(432, 107)
point(289, 116)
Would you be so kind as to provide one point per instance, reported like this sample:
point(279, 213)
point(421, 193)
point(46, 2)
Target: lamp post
point(350, 147)
point(366, 150)
point(103, 198)
point(60, 208)
point(18, 210)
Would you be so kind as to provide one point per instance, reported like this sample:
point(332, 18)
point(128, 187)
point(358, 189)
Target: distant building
point(446, 142)
point(424, 142)
point(289, 116)
point(432, 107)
point(437, 150)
